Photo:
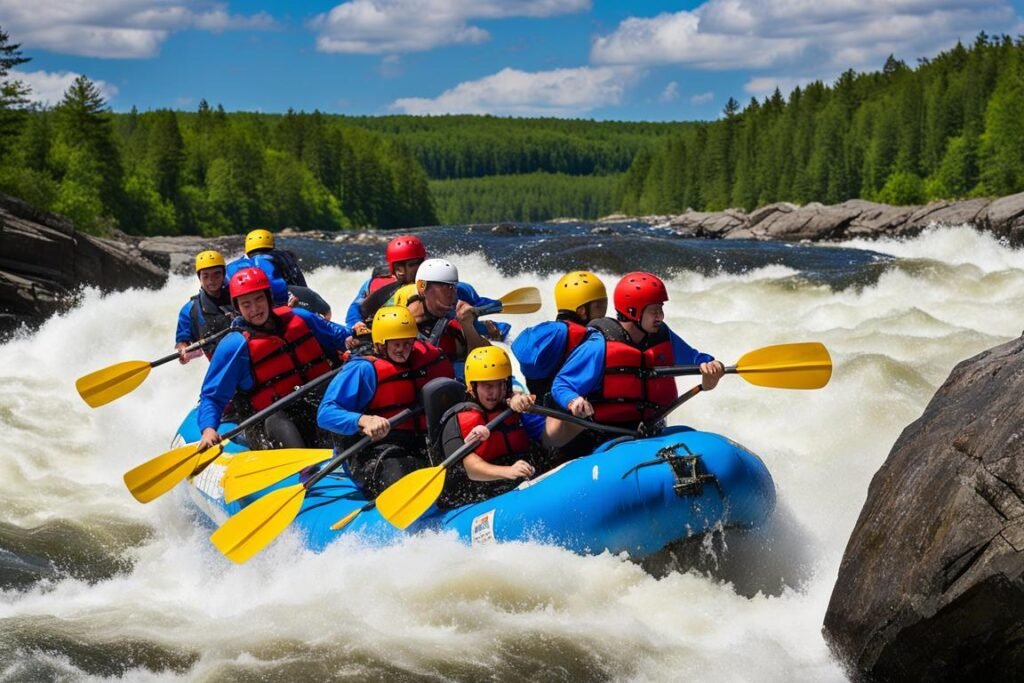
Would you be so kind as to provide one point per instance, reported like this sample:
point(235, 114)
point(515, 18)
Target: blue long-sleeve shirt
point(183, 332)
point(539, 349)
point(583, 372)
point(347, 396)
point(231, 368)
point(278, 287)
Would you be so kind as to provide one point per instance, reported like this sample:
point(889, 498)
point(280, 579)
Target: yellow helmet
point(578, 288)
point(209, 259)
point(404, 295)
point(258, 239)
point(393, 322)
point(486, 364)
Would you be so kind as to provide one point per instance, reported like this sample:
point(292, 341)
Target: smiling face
point(490, 393)
point(398, 350)
point(212, 280)
point(254, 307)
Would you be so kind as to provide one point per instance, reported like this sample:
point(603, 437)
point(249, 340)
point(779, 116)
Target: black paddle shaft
point(587, 424)
point(337, 460)
point(278, 405)
point(467, 448)
point(191, 347)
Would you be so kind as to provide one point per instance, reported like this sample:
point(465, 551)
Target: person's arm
point(582, 373)
point(711, 370)
point(467, 319)
point(354, 316)
point(330, 335)
point(469, 294)
point(346, 398)
point(478, 469)
point(183, 333)
point(228, 372)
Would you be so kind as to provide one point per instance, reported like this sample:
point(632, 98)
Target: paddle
point(805, 365)
point(407, 499)
point(106, 385)
point(259, 523)
point(582, 422)
point(522, 300)
point(156, 477)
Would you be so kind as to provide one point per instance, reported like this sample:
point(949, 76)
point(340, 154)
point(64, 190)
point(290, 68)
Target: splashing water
point(95, 586)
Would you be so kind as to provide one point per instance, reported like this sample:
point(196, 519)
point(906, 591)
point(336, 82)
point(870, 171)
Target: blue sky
point(653, 60)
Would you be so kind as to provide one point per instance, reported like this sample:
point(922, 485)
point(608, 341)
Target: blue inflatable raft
point(634, 496)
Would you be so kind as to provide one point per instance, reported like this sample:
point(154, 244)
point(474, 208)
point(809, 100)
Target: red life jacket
point(398, 386)
point(628, 393)
point(378, 282)
point(280, 363)
point(509, 441)
point(577, 333)
point(452, 341)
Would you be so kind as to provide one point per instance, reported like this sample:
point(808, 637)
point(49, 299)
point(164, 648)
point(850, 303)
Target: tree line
point(949, 128)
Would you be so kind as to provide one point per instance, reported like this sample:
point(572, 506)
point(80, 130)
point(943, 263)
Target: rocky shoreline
point(856, 218)
point(45, 261)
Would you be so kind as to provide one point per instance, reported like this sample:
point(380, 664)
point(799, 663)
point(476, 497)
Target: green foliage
point(955, 120)
point(901, 189)
point(523, 198)
point(13, 94)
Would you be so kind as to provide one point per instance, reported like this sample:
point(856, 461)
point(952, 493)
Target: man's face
point(652, 318)
point(439, 297)
point(211, 280)
point(254, 307)
point(491, 393)
point(405, 271)
point(398, 350)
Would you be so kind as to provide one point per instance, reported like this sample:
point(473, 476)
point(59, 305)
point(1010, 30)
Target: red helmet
point(637, 291)
point(404, 248)
point(248, 280)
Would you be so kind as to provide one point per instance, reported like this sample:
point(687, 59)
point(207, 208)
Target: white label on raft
point(211, 480)
point(595, 473)
point(483, 529)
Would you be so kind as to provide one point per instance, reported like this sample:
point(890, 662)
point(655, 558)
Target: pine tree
point(13, 93)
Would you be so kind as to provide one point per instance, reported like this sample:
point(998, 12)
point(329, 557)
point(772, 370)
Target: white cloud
point(765, 85)
point(390, 26)
point(48, 87)
point(120, 29)
point(702, 98)
point(670, 93)
point(815, 36)
point(560, 92)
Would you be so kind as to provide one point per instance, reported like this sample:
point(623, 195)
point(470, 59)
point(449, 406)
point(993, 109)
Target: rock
point(1005, 217)
point(931, 585)
point(44, 260)
point(709, 224)
point(811, 222)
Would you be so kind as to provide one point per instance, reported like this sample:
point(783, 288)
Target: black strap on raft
point(689, 470)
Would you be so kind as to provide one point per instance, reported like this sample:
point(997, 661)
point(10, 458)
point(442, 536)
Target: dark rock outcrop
point(44, 260)
point(853, 218)
point(931, 585)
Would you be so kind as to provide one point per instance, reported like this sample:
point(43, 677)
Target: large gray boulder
point(931, 586)
point(44, 260)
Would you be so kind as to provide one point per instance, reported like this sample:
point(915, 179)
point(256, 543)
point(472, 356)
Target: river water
point(95, 586)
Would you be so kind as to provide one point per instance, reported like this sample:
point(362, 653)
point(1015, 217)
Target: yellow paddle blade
point(343, 522)
point(156, 477)
point(254, 471)
point(103, 386)
point(522, 300)
point(787, 366)
point(407, 499)
point(258, 524)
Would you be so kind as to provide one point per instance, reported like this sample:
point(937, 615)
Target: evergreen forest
point(948, 127)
